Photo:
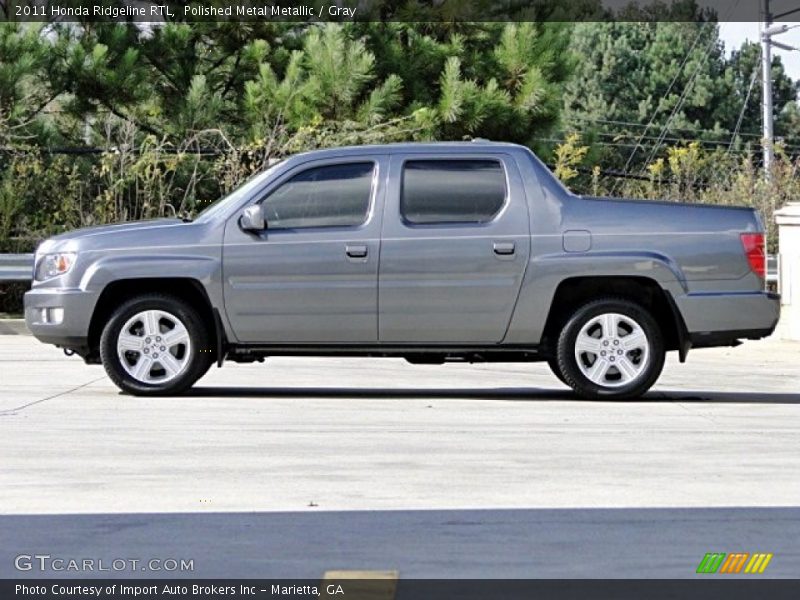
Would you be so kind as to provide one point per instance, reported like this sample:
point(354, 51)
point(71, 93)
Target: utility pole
point(767, 31)
point(766, 84)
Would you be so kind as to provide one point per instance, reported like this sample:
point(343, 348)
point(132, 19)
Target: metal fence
point(16, 267)
point(772, 269)
point(19, 267)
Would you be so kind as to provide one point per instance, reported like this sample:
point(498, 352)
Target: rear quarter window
point(452, 191)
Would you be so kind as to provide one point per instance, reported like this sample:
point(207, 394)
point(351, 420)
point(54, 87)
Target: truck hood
point(118, 228)
point(154, 232)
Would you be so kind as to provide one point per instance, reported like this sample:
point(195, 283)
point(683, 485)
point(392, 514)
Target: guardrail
point(772, 269)
point(16, 267)
point(19, 267)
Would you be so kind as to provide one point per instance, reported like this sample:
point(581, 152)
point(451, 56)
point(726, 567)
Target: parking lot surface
point(288, 445)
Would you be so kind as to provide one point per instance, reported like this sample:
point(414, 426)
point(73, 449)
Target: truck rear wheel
point(611, 349)
point(155, 344)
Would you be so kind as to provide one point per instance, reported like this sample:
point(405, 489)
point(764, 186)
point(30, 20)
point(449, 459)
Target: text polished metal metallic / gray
point(432, 252)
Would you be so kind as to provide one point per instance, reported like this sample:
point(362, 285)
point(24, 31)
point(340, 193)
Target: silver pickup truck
point(435, 252)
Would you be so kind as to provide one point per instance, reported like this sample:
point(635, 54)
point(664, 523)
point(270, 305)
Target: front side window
point(452, 191)
point(327, 196)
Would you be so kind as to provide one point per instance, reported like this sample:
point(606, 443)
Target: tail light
point(753, 244)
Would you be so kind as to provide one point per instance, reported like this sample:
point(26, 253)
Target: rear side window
point(328, 196)
point(452, 191)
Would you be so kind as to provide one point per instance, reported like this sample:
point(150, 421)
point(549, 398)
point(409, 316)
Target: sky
point(735, 33)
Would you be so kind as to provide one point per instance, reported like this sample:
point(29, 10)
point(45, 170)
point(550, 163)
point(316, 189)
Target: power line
point(618, 144)
point(682, 99)
point(605, 172)
point(792, 148)
point(620, 175)
point(669, 139)
point(669, 89)
point(788, 142)
point(672, 127)
point(744, 106)
point(80, 150)
point(689, 85)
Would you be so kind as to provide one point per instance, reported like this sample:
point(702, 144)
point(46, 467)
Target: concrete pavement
point(349, 434)
point(458, 457)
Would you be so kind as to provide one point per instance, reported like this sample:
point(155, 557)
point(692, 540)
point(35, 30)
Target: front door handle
point(356, 251)
point(504, 248)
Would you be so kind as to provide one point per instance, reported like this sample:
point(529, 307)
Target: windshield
point(232, 199)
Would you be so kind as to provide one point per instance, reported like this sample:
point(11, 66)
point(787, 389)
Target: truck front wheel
point(154, 345)
point(611, 349)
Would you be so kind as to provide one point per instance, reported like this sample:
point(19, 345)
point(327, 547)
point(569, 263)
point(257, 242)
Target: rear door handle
point(504, 248)
point(356, 251)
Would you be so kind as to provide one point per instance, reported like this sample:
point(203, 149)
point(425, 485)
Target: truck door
point(454, 250)
point(312, 274)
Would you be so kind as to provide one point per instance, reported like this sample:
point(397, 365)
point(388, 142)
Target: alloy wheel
point(612, 350)
point(154, 347)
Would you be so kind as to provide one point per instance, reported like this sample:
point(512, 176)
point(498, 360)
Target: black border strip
point(427, 11)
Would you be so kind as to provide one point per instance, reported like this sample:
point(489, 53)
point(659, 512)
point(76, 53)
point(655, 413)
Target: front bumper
point(60, 316)
point(725, 316)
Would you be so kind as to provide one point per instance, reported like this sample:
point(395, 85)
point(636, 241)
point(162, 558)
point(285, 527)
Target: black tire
point(198, 353)
point(650, 355)
point(553, 364)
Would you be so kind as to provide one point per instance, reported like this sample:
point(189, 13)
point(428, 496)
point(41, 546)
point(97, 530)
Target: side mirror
point(252, 219)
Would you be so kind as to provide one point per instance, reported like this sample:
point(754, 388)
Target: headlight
point(53, 265)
